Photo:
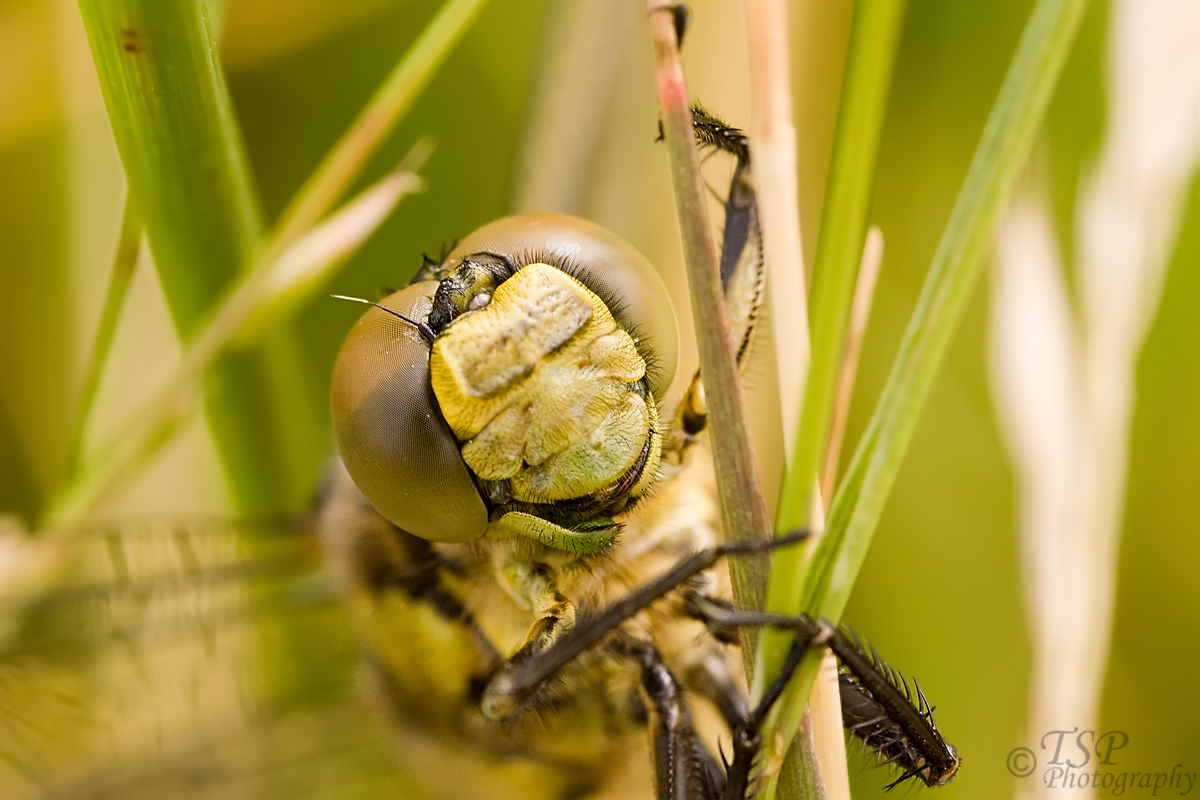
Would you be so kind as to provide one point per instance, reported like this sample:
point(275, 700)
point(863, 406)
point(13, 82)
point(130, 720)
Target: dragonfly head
point(538, 393)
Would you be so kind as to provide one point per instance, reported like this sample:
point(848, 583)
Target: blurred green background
point(940, 593)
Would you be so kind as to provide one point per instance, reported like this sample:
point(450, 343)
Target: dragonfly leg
point(743, 270)
point(532, 586)
point(516, 682)
point(722, 619)
point(683, 767)
point(712, 680)
point(747, 737)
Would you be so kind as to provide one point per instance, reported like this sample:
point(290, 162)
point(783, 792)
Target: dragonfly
point(514, 634)
point(507, 479)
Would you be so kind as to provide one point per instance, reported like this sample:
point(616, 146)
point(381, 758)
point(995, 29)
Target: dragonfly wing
point(180, 658)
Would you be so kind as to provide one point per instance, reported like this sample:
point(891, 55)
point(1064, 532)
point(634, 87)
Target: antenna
point(426, 332)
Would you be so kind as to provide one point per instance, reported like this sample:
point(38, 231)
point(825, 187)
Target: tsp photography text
point(1078, 759)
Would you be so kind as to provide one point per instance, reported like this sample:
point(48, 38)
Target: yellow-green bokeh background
point(940, 592)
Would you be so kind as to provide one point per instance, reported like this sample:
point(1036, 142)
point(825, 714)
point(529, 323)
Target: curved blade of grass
point(772, 135)
point(307, 266)
point(261, 299)
point(1003, 149)
point(183, 156)
point(391, 100)
point(843, 231)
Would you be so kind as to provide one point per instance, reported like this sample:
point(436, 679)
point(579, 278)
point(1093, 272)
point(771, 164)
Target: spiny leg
point(743, 274)
point(883, 711)
point(712, 680)
point(747, 737)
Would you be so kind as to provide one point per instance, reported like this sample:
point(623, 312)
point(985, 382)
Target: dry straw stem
point(860, 315)
point(743, 506)
point(772, 136)
point(825, 708)
point(583, 52)
point(825, 703)
point(1035, 364)
point(773, 155)
point(1065, 383)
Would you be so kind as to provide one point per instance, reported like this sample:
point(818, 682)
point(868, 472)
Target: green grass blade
point(174, 126)
point(839, 249)
point(843, 231)
point(311, 262)
point(260, 299)
point(1003, 149)
point(184, 159)
point(998, 161)
point(873, 41)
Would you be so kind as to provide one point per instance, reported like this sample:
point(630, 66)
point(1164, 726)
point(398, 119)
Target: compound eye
point(390, 431)
point(604, 262)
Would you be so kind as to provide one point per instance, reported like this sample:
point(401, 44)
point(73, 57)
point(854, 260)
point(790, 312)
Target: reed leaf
point(999, 158)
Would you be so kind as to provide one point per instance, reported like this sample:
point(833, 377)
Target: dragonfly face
point(533, 407)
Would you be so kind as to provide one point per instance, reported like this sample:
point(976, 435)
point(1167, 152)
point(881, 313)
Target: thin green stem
point(840, 243)
point(124, 263)
point(391, 100)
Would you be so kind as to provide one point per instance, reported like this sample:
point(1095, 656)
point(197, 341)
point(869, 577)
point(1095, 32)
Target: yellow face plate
point(537, 385)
